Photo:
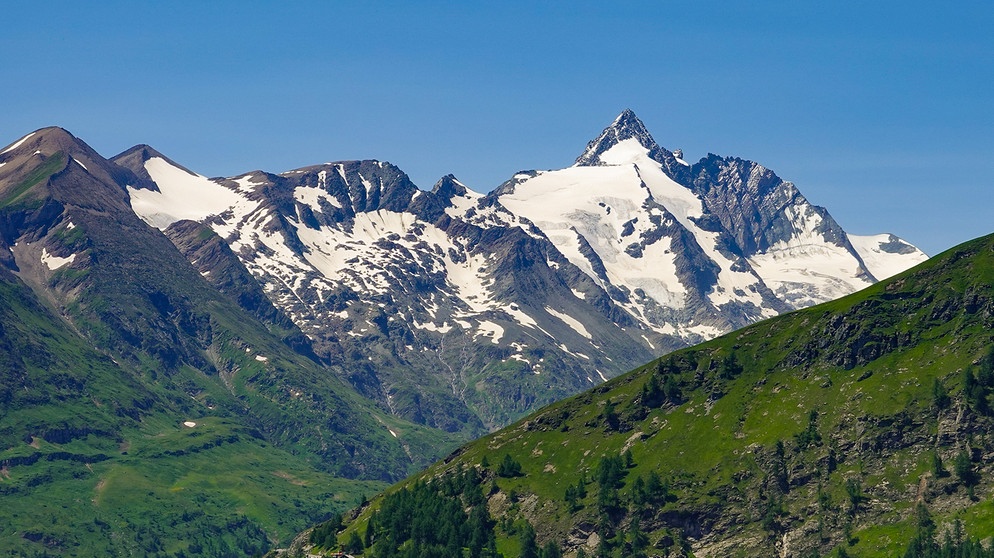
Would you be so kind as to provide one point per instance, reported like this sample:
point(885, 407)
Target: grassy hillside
point(143, 411)
point(831, 431)
point(94, 462)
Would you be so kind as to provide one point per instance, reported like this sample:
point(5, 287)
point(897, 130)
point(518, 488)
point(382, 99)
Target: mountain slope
point(462, 311)
point(827, 430)
point(112, 342)
point(94, 462)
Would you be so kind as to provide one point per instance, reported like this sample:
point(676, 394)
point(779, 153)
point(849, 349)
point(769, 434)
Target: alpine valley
point(197, 366)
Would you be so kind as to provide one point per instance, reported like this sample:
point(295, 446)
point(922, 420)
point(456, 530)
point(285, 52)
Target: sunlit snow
point(17, 143)
point(885, 264)
point(181, 196)
point(55, 262)
point(311, 196)
point(807, 269)
point(597, 205)
point(492, 330)
point(570, 321)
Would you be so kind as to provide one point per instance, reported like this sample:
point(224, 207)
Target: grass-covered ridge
point(817, 433)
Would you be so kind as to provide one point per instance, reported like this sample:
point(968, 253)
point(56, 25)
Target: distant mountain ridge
point(462, 311)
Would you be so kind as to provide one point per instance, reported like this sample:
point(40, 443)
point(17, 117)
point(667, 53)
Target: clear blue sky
point(881, 111)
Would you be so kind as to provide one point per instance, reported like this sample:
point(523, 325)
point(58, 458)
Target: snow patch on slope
point(181, 196)
point(55, 262)
point(570, 321)
point(311, 196)
point(17, 143)
point(885, 255)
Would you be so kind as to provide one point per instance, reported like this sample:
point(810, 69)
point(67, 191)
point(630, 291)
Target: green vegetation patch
point(50, 166)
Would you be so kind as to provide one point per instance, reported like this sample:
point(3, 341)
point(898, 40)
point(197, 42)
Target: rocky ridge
point(463, 311)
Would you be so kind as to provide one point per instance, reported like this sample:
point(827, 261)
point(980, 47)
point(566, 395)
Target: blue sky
point(883, 113)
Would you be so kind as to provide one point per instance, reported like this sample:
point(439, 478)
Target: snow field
point(181, 196)
point(55, 262)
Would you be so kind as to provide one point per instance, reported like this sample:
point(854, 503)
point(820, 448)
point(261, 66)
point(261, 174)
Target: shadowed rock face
point(751, 202)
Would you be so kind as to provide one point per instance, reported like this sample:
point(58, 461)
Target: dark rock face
point(895, 245)
point(626, 126)
point(752, 202)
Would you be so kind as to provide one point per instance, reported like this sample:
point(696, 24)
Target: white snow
point(261, 358)
point(311, 196)
point(522, 318)
point(462, 204)
point(596, 204)
point(17, 143)
point(492, 330)
point(70, 226)
point(189, 424)
point(55, 262)
point(564, 204)
point(80, 163)
point(369, 186)
point(807, 269)
point(444, 328)
point(3, 163)
point(520, 358)
point(181, 195)
point(884, 264)
point(247, 183)
point(570, 321)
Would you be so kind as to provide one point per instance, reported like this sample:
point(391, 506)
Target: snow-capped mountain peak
point(556, 280)
point(626, 138)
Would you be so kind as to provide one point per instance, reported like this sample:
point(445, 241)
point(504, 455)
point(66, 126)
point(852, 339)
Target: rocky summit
point(463, 311)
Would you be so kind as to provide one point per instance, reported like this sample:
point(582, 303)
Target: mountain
point(178, 349)
point(463, 311)
point(858, 427)
point(151, 406)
